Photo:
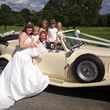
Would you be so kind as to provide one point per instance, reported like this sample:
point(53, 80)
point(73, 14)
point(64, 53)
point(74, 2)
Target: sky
point(105, 7)
point(37, 5)
point(17, 5)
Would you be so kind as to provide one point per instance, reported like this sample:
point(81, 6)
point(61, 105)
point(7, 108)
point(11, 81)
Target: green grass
point(9, 28)
point(103, 32)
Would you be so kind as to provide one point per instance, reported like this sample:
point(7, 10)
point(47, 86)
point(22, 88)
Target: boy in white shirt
point(52, 32)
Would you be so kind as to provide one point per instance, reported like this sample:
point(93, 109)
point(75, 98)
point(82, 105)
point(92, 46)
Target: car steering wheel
point(55, 46)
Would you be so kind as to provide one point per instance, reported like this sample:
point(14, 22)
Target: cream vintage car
point(71, 63)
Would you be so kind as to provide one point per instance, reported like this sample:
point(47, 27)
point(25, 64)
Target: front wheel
point(88, 68)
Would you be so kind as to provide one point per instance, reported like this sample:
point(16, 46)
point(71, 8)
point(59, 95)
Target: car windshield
point(71, 42)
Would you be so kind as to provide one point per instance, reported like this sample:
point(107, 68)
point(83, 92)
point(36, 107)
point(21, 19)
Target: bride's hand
point(33, 45)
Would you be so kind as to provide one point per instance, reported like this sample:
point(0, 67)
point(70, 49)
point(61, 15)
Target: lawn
point(103, 32)
point(9, 28)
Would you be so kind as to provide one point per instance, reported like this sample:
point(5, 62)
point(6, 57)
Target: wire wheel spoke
point(87, 70)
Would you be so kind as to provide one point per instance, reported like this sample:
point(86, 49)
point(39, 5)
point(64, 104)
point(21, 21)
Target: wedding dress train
point(20, 78)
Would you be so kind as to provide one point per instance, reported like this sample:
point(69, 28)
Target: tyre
point(3, 63)
point(88, 68)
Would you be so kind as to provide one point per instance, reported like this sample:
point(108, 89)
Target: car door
point(53, 63)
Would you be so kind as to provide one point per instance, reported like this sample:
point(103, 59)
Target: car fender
point(71, 60)
point(78, 56)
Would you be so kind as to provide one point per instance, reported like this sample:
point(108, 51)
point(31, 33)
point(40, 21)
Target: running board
point(52, 80)
point(62, 83)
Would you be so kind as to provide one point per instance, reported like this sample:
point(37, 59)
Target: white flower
point(78, 31)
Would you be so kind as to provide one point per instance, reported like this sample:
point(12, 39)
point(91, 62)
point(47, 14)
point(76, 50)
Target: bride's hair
point(28, 25)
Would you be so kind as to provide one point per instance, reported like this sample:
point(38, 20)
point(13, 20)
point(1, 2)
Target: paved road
point(54, 98)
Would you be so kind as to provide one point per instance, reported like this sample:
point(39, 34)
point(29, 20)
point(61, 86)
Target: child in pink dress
point(40, 48)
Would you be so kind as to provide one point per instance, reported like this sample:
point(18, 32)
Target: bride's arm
point(22, 39)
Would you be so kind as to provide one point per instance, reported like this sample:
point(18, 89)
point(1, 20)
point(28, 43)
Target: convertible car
point(70, 63)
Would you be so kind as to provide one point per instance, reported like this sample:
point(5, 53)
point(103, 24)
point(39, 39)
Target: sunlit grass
point(103, 32)
point(9, 28)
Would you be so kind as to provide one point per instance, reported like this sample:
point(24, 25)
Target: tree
point(91, 9)
point(35, 18)
point(19, 20)
point(26, 13)
point(46, 14)
point(6, 15)
point(102, 20)
point(57, 10)
point(108, 19)
point(74, 12)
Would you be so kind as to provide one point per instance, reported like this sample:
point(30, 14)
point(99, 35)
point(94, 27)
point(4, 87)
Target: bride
point(21, 78)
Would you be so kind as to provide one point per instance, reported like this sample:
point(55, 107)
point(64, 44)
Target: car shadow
point(97, 93)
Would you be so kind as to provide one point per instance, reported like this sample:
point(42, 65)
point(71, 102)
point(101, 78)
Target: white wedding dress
point(20, 78)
